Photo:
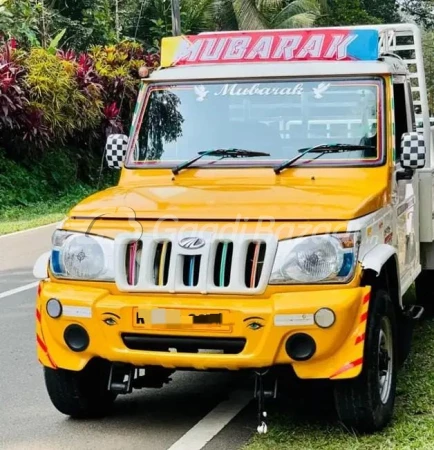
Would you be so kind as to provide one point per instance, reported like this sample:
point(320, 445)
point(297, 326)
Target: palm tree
point(266, 14)
point(206, 15)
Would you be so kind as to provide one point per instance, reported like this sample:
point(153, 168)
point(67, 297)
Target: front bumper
point(339, 349)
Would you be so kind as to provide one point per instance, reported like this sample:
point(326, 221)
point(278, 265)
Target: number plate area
point(181, 319)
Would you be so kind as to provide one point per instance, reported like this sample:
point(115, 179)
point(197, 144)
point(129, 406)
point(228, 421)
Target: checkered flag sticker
point(413, 150)
point(115, 150)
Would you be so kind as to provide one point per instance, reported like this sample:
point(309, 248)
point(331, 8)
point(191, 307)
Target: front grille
point(254, 264)
point(197, 264)
point(132, 262)
point(191, 269)
point(161, 263)
point(223, 264)
point(181, 344)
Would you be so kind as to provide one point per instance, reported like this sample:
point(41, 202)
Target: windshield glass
point(280, 118)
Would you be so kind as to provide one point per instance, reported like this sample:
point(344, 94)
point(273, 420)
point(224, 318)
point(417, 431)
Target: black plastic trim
point(183, 344)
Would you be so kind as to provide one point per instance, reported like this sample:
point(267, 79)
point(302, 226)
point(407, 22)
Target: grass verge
point(18, 218)
point(412, 427)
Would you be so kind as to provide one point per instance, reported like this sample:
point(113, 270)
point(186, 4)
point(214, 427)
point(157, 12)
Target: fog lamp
point(54, 308)
point(324, 318)
point(76, 338)
point(300, 347)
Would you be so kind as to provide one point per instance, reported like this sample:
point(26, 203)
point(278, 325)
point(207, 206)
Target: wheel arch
point(381, 269)
point(383, 273)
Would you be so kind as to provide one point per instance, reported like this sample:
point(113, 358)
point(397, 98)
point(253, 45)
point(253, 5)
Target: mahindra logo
point(191, 243)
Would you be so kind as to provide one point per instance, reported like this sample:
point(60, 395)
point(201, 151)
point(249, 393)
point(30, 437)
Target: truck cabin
point(218, 92)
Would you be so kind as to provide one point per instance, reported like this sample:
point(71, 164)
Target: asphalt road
point(196, 410)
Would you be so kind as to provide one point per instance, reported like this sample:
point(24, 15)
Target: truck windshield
point(178, 121)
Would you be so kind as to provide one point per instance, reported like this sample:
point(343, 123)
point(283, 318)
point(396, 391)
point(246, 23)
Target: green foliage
point(54, 44)
point(263, 14)
point(116, 66)
point(54, 91)
point(56, 173)
point(421, 10)
point(387, 11)
point(223, 15)
point(21, 20)
point(91, 23)
point(51, 99)
point(297, 14)
point(118, 61)
point(98, 20)
point(346, 12)
point(249, 17)
point(87, 22)
point(22, 184)
point(196, 16)
point(6, 17)
point(39, 192)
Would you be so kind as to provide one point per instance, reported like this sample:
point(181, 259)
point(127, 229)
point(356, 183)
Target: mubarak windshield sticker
point(236, 90)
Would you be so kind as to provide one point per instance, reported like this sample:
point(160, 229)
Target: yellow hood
point(303, 194)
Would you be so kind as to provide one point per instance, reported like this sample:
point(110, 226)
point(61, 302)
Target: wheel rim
point(385, 359)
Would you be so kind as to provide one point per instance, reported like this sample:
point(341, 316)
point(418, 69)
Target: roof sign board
point(271, 46)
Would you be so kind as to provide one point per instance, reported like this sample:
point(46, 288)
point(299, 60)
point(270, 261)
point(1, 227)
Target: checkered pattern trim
point(115, 150)
point(413, 150)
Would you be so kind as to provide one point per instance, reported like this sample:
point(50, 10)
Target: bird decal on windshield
point(322, 87)
point(201, 93)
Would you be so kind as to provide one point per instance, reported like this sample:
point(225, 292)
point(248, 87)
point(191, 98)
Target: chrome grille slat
point(175, 281)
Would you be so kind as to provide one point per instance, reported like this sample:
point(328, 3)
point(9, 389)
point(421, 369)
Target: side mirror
point(413, 151)
point(115, 150)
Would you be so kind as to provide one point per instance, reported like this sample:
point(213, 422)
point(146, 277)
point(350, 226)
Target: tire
point(425, 292)
point(81, 394)
point(360, 402)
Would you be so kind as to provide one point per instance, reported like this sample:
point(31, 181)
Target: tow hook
point(125, 377)
point(121, 378)
point(261, 393)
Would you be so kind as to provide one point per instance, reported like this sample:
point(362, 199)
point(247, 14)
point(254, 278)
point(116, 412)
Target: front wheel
point(366, 403)
point(81, 394)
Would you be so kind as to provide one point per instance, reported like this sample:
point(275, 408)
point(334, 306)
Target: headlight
point(329, 258)
point(82, 257)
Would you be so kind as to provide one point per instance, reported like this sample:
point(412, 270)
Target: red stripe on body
point(51, 361)
point(41, 343)
point(45, 350)
point(360, 338)
point(348, 366)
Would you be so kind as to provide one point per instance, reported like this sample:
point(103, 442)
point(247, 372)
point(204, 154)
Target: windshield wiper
point(224, 153)
point(323, 149)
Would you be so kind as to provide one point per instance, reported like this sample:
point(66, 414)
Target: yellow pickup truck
point(275, 204)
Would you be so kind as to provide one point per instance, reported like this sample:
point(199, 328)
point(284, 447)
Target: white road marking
point(29, 230)
point(18, 289)
point(208, 427)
